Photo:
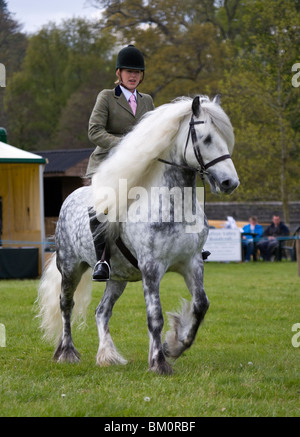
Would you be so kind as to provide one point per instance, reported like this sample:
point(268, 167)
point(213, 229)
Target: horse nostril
point(229, 184)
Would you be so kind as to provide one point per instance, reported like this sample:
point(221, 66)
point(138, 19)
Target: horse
point(145, 196)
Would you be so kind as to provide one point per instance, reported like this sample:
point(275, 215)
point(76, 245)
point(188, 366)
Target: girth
point(126, 252)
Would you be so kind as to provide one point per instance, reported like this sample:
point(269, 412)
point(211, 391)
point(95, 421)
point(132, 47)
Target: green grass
point(242, 363)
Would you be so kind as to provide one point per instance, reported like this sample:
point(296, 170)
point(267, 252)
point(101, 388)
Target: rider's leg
point(102, 269)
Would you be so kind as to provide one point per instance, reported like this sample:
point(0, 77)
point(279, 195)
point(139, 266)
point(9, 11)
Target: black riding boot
point(101, 271)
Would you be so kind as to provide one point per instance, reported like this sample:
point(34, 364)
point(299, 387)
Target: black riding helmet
point(131, 58)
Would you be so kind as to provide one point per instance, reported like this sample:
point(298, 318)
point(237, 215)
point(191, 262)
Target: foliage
point(264, 105)
point(184, 50)
point(58, 62)
point(12, 50)
point(242, 363)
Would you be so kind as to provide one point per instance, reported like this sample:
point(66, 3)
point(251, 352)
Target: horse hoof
point(162, 369)
point(66, 355)
point(107, 358)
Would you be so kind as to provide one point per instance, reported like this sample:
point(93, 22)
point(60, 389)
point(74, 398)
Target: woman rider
point(113, 117)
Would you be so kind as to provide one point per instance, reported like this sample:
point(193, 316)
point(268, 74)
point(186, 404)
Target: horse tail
point(48, 300)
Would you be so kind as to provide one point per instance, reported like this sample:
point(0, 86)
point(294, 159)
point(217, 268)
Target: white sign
point(224, 245)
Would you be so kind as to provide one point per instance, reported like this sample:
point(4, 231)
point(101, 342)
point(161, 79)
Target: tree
point(264, 103)
point(58, 61)
point(12, 51)
point(184, 50)
point(71, 132)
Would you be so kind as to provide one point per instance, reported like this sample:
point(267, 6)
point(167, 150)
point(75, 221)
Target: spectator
point(230, 223)
point(269, 245)
point(252, 228)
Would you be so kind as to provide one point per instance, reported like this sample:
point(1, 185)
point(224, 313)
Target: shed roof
point(60, 161)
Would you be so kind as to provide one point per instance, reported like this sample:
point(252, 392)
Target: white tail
point(48, 300)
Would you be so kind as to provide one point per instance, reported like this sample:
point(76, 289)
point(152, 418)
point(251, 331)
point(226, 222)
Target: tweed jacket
point(111, 119)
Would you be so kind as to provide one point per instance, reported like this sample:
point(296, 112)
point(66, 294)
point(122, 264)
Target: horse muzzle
point(225, 184)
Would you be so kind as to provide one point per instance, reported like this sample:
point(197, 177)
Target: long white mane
point(135, 157)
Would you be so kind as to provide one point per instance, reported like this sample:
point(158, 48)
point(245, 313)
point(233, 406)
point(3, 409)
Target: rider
point(111, 119)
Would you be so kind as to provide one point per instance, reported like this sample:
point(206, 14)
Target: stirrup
point(101, 271)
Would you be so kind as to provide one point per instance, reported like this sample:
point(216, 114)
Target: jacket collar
point(121, 99)
point(118, 92)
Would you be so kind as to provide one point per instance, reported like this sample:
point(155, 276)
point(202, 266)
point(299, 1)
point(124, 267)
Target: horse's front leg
point(184, 324)
point(151, 281)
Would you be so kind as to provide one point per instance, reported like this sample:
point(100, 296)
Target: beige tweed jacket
point(111, 119)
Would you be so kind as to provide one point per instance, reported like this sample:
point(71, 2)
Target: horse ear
point(196, 107)
point(217, 99)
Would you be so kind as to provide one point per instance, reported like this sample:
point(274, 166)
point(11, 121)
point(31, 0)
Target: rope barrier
point(15, 242)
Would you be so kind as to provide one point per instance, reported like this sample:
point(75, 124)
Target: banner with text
point(224, 245)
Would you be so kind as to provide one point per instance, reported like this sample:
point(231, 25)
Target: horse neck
point(177, 175)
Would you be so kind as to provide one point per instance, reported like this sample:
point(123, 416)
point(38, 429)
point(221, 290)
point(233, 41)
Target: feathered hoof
point(108, 357)
point(162, 369)
point(173, 348)
point(67, 354)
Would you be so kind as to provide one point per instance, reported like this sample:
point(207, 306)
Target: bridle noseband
point(202, 170)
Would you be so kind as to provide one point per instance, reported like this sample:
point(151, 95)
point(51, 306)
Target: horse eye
point(207, 140)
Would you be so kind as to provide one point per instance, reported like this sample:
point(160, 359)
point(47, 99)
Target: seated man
point(252, 228)
point(269, 245)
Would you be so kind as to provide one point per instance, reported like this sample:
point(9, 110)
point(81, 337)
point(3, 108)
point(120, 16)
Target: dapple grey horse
point(144, 196)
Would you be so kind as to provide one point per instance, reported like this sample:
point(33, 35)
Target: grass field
point(243, 362)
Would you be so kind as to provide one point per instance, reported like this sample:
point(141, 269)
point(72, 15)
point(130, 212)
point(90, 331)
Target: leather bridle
point(202, 170)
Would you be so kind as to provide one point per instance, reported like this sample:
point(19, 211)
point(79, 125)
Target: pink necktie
point(132, 103)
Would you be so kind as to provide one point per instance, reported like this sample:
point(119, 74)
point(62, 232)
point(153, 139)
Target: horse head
point(210, 143)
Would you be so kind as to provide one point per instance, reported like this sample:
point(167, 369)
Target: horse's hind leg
point(107, 352)
point(65, 351)
point(184, 325)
